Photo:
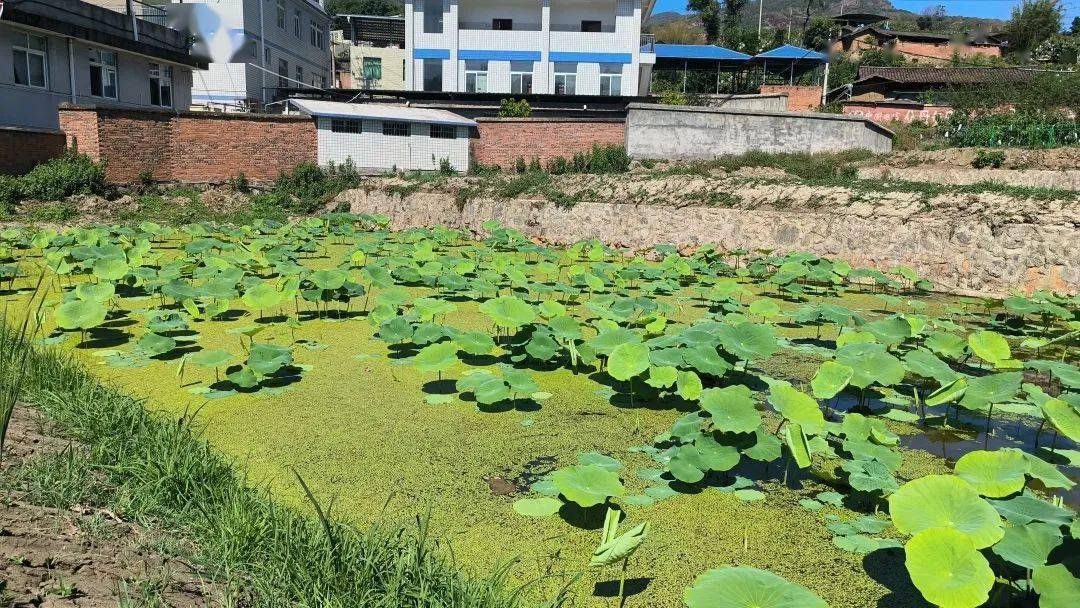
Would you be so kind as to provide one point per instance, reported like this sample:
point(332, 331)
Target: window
point(316, 35)
point(283, 73)
point(565, 78)
point(432, 74)
point(372, 70)
point(395, 129)
point(611, 79)
point(476, 76)
point(322, 82)
point(344, 125)
point(521, 75)
point(300, 74)
point(590, 26)
point(266, 55)
point(161, 85)
point(443, 132)
point(502, 24)
point(296, 24)
point(281, 14)
point(103, 73)
point(31, 58)
point(433, 16)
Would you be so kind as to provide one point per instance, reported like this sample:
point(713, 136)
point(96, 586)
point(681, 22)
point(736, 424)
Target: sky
point(996, 9)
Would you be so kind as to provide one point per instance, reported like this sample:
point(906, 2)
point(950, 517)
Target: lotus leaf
point(830, 379)
point(266, 359)
point(437, 357)
point(732, 409)
point(154, 344)
point(615, 549)
point(96, 292)
point(748, 341)
point(1062, 415)
point(627, 361)
point(947, 568)
point(1056, 585)
point(744, 587)
point(797, 407)
point(1047, 473)
point(797, 445)
point(538, 507)
point(985, 391)
point(662, 377)
point(211, 358)
point(587, 485)
point(80, 314)
point(508, 312)
point(989, 346)
point(994, 474)
point(936, 501)
point(475, 343)
point(1029, 546)
point(688, 385)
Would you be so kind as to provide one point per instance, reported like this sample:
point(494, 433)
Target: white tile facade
point(541, 31)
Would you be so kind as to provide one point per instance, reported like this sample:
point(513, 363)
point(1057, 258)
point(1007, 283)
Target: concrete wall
point(904, 112)
point(773, 102)
point(961, 252)
point(688, 132)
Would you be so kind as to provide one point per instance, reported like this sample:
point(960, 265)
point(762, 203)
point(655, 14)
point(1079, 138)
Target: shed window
point(161, 85)
point(443, 132)
point(344, 125)
point(103, 73)
point(31, 60)
point(396, 129)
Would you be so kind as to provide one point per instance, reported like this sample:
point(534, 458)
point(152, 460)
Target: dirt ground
point(85, 557)
point(1058, 159)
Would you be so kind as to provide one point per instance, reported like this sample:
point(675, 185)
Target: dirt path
point(81, 556)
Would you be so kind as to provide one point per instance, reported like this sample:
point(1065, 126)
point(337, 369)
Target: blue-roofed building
point(698, 69)
point(800, 73)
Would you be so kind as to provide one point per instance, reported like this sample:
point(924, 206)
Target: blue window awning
point(698, 51)
point(591, 57)
point(431, 53)
point(499, 55)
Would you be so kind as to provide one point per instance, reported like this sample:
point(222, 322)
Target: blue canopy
point(791, 53)
point(698, 51)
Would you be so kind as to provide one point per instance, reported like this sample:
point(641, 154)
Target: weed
point(523, 184)
point(988, 159)
point(67, 175)
point(54, 213)
point(56, 480)
point(239, 183)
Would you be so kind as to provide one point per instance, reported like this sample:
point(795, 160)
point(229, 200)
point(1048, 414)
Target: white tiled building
point(570, 47)
point(269, 44)
point(382, 137)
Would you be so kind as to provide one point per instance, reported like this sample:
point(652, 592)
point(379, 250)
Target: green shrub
point(520, 166)
point(308, 186)
point(525, 183)
point(67, 175)
point(239, 183)
point(986, 159)
point(513, 108)
point(601, 159)
point(10, 194)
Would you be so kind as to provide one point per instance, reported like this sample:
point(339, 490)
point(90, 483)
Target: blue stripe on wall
point(591, 57)
point(500, 55)
point(431, 53)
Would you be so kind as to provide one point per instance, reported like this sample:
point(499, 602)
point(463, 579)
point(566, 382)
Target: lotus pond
point(726, 428)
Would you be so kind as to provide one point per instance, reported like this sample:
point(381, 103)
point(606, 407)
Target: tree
point(1032, 23)
point(810, 5)
point(929, 16)
point(818, 33)
point(1075, 29)
point(709, 13)
point(364, 7)
point(679, 31)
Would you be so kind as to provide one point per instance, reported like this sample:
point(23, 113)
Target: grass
point(160, 470)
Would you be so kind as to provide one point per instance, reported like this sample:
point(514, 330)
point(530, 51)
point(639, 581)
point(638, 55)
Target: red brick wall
point(190, 146)
point(884, 112)
point(800, 98)
point(503, 140)
point(21, 149)
point(927, 53)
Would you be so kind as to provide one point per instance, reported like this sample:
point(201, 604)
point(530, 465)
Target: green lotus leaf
point(1062, 415)
point(243, 377)
point(743, 587)
point(620, 547)
point(262, 296)
point(994, 474)
point(1047, 473)
point(830, 379)
point(266, 359)
point(627, 361)
point(687, 465)
point(96, 292)
point(508, 311)
point(475, 343)
point(211, 358)
point(437, 357)
point(1069, 375)
point(706, 360)
point(870, 363)
point(1029, 546)
point(989, 346)
point(763, 307)
point(688, 385)
point(80, 314)
point(565, 328)
point(1056, 585)
point(922, 362)
point(748, 341)
point(797, 445)
point(601, 460)
point(890, 331)
point(937, 501)
point(948, 393)
point(798, 407)
point(716, 456)
point(1026, 508)
point(519, 380)
point(538, 507)
point(328, 279)
point(732, 409)
point(766, 448)
point(947, 568)
point(988, 390)
point(110, 269)
point(587, 485)
point(662, 376)
point(869, 476)
point(154, 344)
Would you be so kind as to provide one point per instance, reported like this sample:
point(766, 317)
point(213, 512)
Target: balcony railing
point(648, 43)
point(149, 13)
point(517, 26)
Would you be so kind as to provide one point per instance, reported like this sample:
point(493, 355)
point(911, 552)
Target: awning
point(790, 52)
point(698, 51)
point(379, 111)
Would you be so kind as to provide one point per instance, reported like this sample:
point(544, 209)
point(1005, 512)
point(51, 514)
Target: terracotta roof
point(916, 36)
point(945, 75)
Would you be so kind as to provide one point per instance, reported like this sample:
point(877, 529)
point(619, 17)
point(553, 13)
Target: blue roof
point(792, 53)
point(698, 51)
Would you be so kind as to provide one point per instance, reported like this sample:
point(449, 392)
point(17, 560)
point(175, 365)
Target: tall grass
point(161, 470)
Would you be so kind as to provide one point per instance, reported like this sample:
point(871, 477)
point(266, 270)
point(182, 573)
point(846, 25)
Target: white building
point(257, 46)
point(384, 137)
point(566, 47)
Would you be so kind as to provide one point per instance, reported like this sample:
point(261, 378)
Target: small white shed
point(381, 136)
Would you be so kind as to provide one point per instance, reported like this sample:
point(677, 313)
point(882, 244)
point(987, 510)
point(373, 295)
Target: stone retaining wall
point(960, 255)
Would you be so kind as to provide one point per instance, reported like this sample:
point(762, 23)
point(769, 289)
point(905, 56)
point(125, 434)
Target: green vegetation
point(70, 174)
point(514, 108)
point(536, 396)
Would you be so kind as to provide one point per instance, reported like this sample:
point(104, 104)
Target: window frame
point(297, 15)
point(396, 128)
point(29, 51)
point(299, 73)
point(479, 75)
point(95, 58)
point(568, 78)
point(520, 76)
point(161, 79)
point(437, 24)
point(375, 63)
point(497, 24)
point(346, 125)
point(283, 72)
point(612, 78)
point(425, 76)
point(280, 14)
point(439, 131)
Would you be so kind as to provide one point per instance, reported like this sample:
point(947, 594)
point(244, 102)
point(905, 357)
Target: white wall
point(373, 150)
point(525, 13)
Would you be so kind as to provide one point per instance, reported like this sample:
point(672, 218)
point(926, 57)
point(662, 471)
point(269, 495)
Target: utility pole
point(789, 18)
point(760, 8)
